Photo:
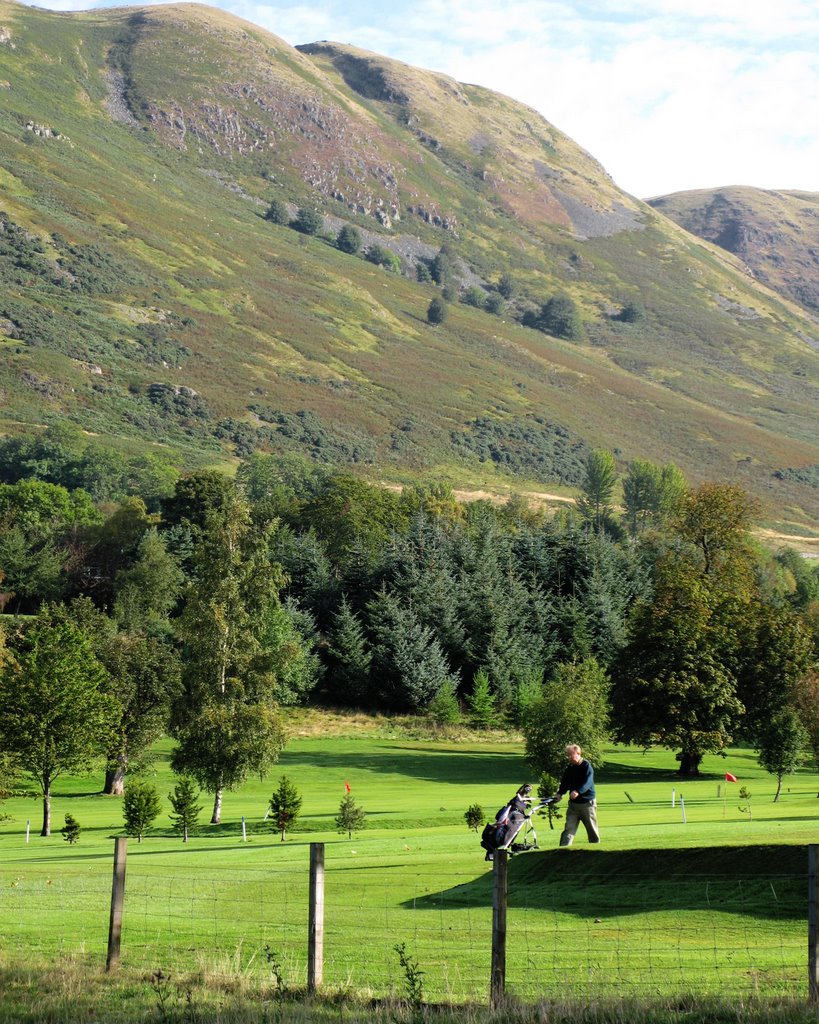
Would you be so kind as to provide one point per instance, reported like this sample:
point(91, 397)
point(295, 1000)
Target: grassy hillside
point(775, 233)
point(144, 297)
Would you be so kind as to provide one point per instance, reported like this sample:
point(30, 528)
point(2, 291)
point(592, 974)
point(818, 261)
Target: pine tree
point(186, 809)
point(350, 817)
point(285, 805)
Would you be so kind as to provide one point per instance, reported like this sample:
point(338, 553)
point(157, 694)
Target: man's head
point(574, 753)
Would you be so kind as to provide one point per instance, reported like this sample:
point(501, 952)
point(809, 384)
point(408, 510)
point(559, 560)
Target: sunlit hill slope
point(146, 298)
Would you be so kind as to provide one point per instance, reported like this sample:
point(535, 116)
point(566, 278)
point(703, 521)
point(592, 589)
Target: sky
point(667, 94)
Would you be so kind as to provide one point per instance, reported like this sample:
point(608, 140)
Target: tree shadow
point(427, 763)
point(757, 881)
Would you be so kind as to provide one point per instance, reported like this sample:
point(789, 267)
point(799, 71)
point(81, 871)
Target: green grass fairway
point(715, 905)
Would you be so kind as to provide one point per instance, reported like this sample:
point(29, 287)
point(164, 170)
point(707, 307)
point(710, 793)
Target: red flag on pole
point(347, 785)
point(730, 778)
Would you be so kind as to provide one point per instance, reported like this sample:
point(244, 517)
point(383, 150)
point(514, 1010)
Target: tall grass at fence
point(712, 905)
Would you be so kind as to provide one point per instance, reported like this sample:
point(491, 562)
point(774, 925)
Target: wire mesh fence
point(695, 934)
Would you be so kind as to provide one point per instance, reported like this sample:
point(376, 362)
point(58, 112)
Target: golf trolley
point(513, 832)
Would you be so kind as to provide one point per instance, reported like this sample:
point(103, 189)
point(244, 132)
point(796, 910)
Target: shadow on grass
point(755, 881)
point(428, 763)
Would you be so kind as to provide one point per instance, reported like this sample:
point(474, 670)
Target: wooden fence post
point(315, 936)
point(117, 900)
point(813, 967)
point(500, 890)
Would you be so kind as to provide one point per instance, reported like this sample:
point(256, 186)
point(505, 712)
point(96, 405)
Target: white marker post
point(244, 830)
point(673, 797)
point(682, 807)
point(28, 828)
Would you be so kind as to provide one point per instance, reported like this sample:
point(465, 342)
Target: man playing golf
point(578, 782)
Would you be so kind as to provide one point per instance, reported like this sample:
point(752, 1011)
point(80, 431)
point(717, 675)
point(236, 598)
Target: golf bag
point(512, 829)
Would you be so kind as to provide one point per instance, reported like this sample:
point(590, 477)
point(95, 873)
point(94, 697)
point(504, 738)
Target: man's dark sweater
point(579, 777)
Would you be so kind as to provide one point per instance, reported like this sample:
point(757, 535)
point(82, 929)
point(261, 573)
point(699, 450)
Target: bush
point(277, 212)
point(475, 296)
point(494, 304)
point(382, 257)
point(422, 273)
point(348, 240)
point(308, 221)
point(442, 267)
point(631, 313)
point(506, 286)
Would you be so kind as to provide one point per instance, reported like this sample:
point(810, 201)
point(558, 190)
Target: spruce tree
point(71, 830)
point(350, 817)
point(186, 809)
point(408, 663)
point(350, 658)
point(444, 709)
point(285, 805)
point(481, 702)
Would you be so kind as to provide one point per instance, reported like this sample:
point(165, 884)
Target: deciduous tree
point(574, 708)
point(55, 716)
point(782, 741)
point(227, 723)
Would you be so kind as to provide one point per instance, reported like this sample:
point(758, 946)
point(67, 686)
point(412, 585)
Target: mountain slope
point(775, 233)
point(146, 298)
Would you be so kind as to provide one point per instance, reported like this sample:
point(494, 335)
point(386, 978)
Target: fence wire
point(707, 936)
